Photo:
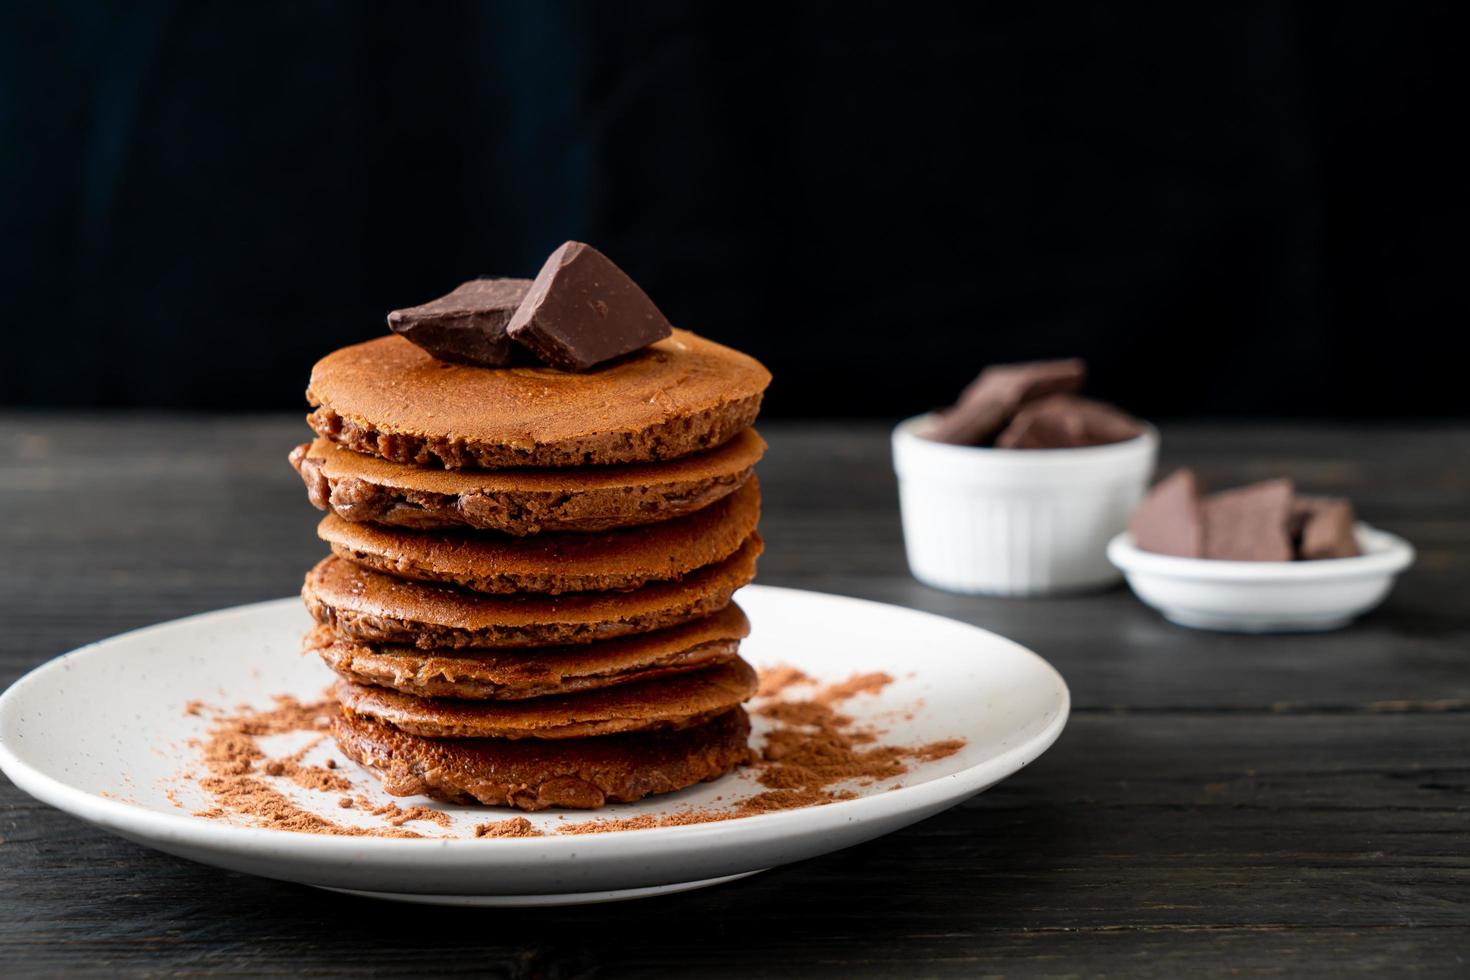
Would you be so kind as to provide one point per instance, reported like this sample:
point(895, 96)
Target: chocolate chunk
point(998, 393)
point(1067, 422)
point(1322, 527)
point(582, 310)
point(1250, 523)
point(468, 325)
point(1170, 520)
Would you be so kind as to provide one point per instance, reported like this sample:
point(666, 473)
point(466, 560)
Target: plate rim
point(131, 819)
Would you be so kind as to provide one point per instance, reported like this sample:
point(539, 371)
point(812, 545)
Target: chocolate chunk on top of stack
point(1033, 405)
point(528, 596)
point(1263, 521)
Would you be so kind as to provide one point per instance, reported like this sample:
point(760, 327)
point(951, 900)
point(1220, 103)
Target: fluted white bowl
point(1015, 522)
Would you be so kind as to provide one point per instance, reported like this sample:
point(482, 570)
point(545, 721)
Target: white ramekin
point(1016, 521)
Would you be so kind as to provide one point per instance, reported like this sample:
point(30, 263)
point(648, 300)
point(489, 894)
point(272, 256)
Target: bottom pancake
point(679, 701)
point(533, 774)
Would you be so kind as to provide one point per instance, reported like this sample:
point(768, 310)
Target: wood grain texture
point(1218, 805)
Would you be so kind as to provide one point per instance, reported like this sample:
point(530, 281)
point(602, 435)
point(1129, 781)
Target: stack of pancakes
point(528, 600)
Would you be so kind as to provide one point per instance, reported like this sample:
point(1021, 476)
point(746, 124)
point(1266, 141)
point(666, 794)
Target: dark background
point(1228, 209)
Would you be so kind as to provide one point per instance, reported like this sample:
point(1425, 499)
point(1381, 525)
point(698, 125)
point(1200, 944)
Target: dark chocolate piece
point(989, 401)
point(1170, 520)
point(468, 325)
point(582, 310)
point(1067, 422)
point(1250, 523)
point(1322, 527)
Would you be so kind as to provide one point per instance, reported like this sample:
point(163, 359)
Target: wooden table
point(1294, 805)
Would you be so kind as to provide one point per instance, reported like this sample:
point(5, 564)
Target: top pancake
point(388, 398)
point(362, 488)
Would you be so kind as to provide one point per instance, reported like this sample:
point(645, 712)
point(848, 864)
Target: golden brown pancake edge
point(388, 398)
point(678, 701)
point(491, 674)
point(533, 774)
point(369, 605)
point(358, 487)
point(605, 561)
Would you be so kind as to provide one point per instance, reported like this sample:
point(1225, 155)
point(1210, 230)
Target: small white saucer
point(1265, 596)
point(103, 733)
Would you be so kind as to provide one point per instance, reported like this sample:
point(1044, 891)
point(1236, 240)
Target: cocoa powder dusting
point(234, 762)
point(810, 750)
point(514, 827)
point(397, 815)
point(853, 686)
point(775, 680)
point(938, 750)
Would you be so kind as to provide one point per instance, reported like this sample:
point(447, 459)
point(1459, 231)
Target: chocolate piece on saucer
point(467, 326)
point(582, 310)
point(1170, 520)
point(1000, 390)
point(1322, 527)
point(1250, 523)
point(1067, 422)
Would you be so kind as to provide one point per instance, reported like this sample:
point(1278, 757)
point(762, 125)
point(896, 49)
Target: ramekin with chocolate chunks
point(1017, 488)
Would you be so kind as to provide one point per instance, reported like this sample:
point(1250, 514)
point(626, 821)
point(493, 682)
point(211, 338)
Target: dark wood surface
point(1218, 804)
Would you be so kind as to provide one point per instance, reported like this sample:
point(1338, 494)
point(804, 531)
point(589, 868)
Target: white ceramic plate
point(1265, 596)
point(102, 734)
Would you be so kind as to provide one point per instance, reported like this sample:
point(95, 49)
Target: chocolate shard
point(1170, 521)
point(989, 401)
point(1067, 422)
point(468, 325)
point(582, 310)
point(1322, 527)
point(1250, 523)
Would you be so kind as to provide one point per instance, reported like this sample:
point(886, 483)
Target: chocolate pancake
point(388, 398)
point(363, 604)
point(534, 774)
point(486, 674)
point(554, 563)
point(667, 702)
point(357, 487)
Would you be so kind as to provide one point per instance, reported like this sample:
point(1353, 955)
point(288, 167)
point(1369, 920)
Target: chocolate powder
point(775, 680)
point(514, 827)
point(810, 750)
point(233, 761)
point(854, 685)
point(397, 816)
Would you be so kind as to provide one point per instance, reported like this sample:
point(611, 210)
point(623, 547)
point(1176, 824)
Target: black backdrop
point(1235, 208)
